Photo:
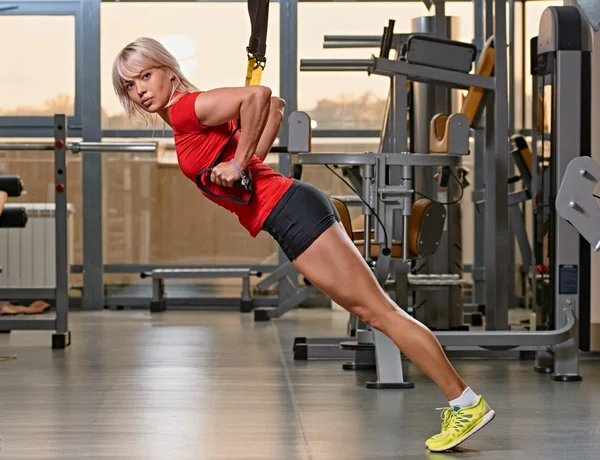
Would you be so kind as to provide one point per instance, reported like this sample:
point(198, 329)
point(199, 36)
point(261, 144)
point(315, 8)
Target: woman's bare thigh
point(334, 265)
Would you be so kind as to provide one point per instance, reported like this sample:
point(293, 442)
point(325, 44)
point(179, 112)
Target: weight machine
point(562, 71)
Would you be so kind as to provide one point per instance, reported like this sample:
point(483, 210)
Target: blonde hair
point(145, 53)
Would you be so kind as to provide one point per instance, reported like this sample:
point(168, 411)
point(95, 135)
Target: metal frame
point(60, 294)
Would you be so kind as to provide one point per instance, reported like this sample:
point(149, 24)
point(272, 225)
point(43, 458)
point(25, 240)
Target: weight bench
point(158, 302)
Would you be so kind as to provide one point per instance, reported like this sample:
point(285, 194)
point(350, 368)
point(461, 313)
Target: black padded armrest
point(440, 52)
point(13, 218)
point(12, 185)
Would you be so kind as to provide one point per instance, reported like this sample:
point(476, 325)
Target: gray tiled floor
point(210, 385)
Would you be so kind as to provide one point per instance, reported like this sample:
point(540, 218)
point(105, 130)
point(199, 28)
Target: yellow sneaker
point(459, 424)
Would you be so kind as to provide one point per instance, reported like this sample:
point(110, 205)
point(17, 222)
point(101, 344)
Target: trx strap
point(258, 10)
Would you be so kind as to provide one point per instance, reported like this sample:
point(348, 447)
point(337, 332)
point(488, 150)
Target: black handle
point(238, 183)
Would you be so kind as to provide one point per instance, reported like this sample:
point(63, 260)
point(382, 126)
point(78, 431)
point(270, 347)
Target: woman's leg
point(334, 265)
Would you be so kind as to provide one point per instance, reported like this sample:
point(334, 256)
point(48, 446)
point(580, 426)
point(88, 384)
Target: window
point(354, 100)
point(154, 215)
point(464, 11)
point(37, 77)
point(210, 53)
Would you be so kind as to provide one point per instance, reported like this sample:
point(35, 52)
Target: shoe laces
point(453, 419)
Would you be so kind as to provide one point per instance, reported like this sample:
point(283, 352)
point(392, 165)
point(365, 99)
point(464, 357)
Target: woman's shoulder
point(184, 99)
point(182, 111)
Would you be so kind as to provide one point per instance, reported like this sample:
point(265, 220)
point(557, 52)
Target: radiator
point(27, 255)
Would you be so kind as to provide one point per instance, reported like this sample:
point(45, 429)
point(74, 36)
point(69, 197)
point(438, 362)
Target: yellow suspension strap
point(253, 71)
point(258, 10)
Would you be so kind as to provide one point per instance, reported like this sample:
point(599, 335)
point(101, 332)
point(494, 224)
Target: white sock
point(466, 399)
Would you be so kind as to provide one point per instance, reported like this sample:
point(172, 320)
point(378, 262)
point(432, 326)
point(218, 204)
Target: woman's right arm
point(250, 103)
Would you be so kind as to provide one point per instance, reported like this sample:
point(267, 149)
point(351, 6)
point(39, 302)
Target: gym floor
point(216, 385)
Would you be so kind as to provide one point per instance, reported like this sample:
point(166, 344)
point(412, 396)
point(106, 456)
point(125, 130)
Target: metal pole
point(400, 137)
point(512, 61)
point(76, 147)
point(60, 221)
point(26, 146)
point(336, 65)
point(406, 209)
point(91, 116)
point(478, 194)
point(400, 105)
point(367, 192)
point(440, 18)
point(524, 74)
point(511, 129)
point(496, 216)
point(535, 207)
point(351, 41)
point(113, 147)
point(288, 87)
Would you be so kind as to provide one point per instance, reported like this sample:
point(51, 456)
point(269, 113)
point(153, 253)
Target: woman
point(147, 79)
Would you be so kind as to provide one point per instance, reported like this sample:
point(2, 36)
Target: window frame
point(42, 126)
point(146, 133)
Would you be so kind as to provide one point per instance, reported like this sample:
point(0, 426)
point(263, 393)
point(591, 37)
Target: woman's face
point(151, 89)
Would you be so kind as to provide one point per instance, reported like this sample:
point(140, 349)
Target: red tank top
point(198, 145)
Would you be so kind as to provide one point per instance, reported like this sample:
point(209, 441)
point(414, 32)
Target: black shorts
point(299, 218)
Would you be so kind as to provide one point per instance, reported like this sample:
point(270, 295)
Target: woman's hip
point(300, 217)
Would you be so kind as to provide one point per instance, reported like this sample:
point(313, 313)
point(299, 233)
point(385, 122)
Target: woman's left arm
point(272, 127)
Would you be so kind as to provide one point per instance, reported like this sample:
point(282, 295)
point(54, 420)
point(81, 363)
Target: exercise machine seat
point(442, 124)
point(425, 227)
